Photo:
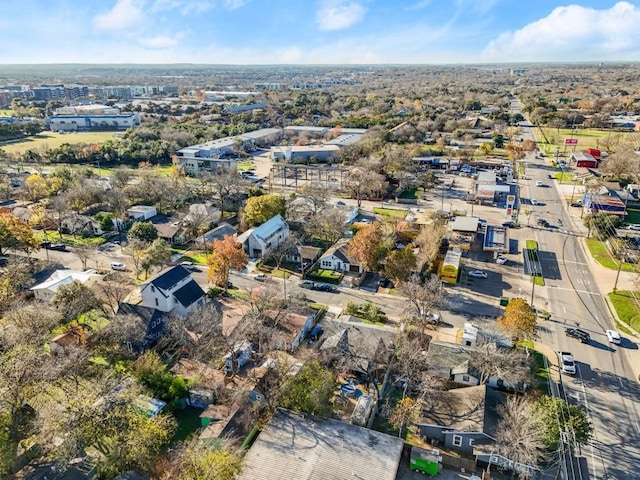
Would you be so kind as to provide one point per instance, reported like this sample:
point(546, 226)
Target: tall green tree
point(310, 390)
point(144, 231)
point(260, 209)
point(563, 422)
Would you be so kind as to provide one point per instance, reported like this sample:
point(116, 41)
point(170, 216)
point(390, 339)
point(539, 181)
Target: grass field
point(587, 138)
point(601, 255)
point(626, 307)
point(390, 212)
point(54, 140)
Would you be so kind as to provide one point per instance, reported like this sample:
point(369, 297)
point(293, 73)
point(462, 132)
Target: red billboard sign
point(570, 141)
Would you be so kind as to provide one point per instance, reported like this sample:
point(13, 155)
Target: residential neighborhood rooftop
point(293, 446)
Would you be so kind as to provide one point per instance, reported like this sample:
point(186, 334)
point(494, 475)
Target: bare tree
point(198, 336)
point(520, 434)
point(512, 366)
point(123, 336)
point(422, 298)
point(114, 288)
point(84, 253)
point(316, 196)
point(363, 181)
point(327, 226)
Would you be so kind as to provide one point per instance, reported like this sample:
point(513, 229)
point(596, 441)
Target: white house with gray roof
point(260, 241)
point(173, 290)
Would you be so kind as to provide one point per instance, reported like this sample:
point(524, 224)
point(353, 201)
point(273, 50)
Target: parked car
point(324, 287)
point(385, 283)
point(581, 335)
point(576, 204)
point(118, 266)
point(433, 318)
point(567, 364)
point(510, 224)
point(60, 247)
point(542, 222)
point(187, 265)
point(534, 201)
point(613, 336)
point(501, 260)
point(538, 184)
point(478, 274)
point(635, 226)
point(261, 277)
point(307, 284)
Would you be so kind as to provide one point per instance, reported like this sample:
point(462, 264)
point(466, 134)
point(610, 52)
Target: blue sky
point(318, 31)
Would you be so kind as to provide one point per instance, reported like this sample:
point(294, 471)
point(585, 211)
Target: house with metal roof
point(46, 290)
point(258, 242)
point(308, 447)
point(172, 290)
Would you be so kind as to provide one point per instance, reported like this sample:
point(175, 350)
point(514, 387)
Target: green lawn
point(601, 254)
point(54, 140)
point(538, 281)
point(587, 138)
point(390, 212)
point(246, 165)
point(627, 307)
point(68, 239)
point(197, 257)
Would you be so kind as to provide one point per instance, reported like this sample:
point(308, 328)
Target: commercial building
point(207, 157)
point(83, 123)
point(305, 154)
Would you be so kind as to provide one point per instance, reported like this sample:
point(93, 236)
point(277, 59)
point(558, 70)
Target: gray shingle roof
point(305, 447)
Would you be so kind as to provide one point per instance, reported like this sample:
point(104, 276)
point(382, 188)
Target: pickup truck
point(567, 364)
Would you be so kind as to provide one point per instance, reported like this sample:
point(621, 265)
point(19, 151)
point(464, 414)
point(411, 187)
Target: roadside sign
point(511, 198)
point(570, 141)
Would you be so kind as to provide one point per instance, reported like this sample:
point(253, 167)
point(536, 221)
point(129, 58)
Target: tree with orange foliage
point(227, 254)
point(366, 247)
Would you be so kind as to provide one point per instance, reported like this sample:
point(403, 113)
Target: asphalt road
point(605, 383)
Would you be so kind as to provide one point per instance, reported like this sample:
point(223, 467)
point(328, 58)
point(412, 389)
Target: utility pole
point(615, 286)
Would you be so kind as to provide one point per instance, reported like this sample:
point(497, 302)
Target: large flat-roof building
point(83, 123)
point(305, 154)
point(207, 156)
point(306, 447)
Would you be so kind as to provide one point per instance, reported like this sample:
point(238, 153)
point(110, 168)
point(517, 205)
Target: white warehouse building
point(207, 156)
point(83, 123)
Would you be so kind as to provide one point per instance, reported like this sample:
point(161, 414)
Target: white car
point(501, 260)
point(261, 277)
point(534, 201)
point(478, 274)
point(118, 266)
point(187, 265)
point(635, 226)
point(538, 184)
point(567, 364)
point(613, 337)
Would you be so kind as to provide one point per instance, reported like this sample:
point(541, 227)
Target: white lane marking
point(575, 263)
point(621, 385)
point(638, 427)
point(574, 290)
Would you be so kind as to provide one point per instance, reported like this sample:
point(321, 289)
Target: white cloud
point(124, 14)
point(185, 7)
point(160, 41)
point(572, 33)
point(234, 4)
point(419, 5)
point(339, 14)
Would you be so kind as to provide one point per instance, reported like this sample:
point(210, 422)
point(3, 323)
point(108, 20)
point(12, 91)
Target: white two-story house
point(173, 290)
point(260, 241)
